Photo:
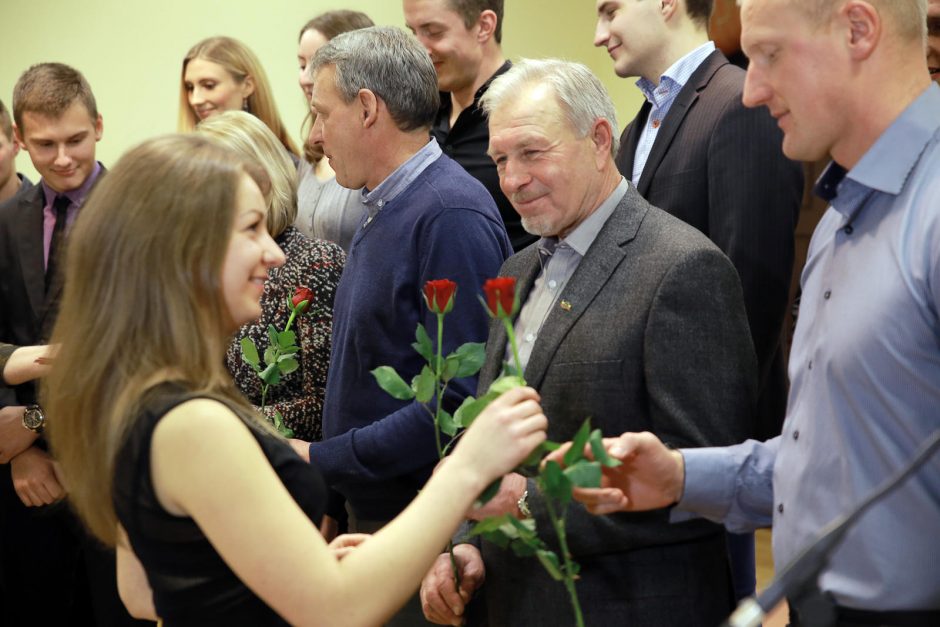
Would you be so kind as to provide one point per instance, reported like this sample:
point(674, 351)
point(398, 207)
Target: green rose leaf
point(282, 428)
point(600, 453)
point(271, 374)
point(521, 548)
point(489, 524)
point(471, 356)
point(451, 366)
point(470, 409)
point(555, 484)
point(423, 385)
point(584, 474)
point(270, 354)
point(286, 338)
point(272, 335)
point(551, 563)
point(504, 384)
point(423, 344)
point(393, 384)
point(539, 452)
point(287, 365)
point(447, 424)
point(576, 451)
point(508, 531)
point(289, 350)
point(250, 353)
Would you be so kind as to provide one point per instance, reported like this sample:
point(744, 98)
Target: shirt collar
point(76, 196)
point(679, 72)
point(890, 160)
point(403, 176)
point(888, 163)
point(581, 238)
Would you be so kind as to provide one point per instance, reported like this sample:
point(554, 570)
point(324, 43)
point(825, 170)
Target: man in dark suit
point(629, 316)
point(696, 151)
point(52, 573)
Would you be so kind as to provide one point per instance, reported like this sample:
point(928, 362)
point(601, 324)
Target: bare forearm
point(398, 556)
point(25, 364)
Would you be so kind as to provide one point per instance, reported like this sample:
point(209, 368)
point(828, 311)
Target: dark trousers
point(741, 552)
point(823, 612)
point(53, 572)
point(686, 584)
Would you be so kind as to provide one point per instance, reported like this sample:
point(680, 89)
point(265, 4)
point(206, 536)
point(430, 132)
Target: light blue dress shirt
point(865, 383)
point(661, 98)
point(399, 180)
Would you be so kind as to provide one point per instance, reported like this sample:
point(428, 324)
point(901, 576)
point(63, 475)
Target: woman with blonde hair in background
point(314, 264)
point(222, 74)
point(327, 210)
point(166, 261)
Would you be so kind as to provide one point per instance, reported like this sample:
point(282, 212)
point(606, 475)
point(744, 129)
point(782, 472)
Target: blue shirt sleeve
point(732, 485)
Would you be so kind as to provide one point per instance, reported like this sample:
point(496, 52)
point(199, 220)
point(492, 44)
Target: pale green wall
point(131, 50)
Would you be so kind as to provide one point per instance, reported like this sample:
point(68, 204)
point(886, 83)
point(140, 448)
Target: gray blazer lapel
point(602, 259)
point(524, 266)
point(677, 112)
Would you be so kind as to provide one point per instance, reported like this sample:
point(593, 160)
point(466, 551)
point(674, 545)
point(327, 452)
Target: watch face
point(33, 418)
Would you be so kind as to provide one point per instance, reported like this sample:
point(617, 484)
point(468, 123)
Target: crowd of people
point(144, 471)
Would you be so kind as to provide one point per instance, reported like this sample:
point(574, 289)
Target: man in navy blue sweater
point(375, 92)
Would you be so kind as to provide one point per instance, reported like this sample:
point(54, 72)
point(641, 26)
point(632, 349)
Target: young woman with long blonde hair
point(213, 515)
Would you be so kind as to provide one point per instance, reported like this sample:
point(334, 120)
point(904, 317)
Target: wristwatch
point(523, 505)
point(34, 419)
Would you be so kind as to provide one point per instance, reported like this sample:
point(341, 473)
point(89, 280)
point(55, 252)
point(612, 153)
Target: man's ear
point(17, 137)
point(602, 136)
point(668, 8)
point(369, 106)
point(99, 128)
point(487, 26)
point(863, 28)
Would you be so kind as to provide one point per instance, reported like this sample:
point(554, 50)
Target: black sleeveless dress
point(191, 583)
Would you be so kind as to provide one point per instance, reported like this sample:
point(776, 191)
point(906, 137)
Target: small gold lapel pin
point(565, 305)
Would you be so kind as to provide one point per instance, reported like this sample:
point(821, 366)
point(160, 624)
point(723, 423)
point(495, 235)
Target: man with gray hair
point(630, 317)
point(375, 93)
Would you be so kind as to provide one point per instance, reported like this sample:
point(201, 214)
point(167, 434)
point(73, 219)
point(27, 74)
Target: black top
point(466, 143)
point(191, 583)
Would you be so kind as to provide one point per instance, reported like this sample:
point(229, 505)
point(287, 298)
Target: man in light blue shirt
point(698, 153)
point(847, 78)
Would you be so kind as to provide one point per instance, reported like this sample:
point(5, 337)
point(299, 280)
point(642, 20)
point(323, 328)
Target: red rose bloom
point(302, 294)
point(501, 296)
point(439, 295)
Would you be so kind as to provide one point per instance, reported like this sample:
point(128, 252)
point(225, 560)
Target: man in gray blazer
point(630, 317)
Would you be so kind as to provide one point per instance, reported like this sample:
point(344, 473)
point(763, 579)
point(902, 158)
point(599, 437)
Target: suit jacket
point(655, 340)
point(28, 310)
point(718, 166)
